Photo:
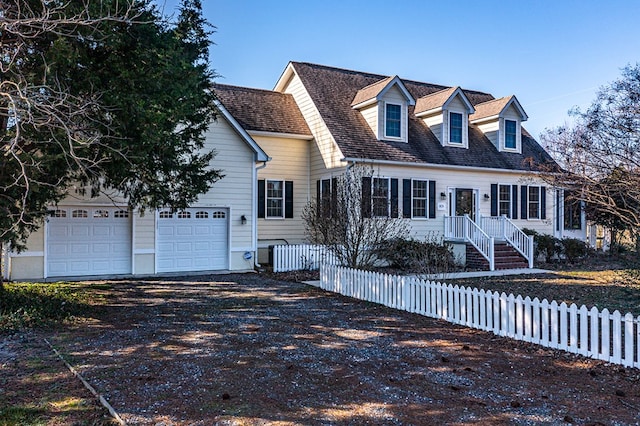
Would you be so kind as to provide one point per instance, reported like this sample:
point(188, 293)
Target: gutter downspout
point(254, 222)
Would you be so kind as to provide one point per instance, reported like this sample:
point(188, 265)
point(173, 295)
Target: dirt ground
point(251, 350)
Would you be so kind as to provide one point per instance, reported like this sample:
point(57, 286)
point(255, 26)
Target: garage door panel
point(61, 231)
point(184, 230)
point(80, 231)
point(97, 244)
point(165, 231)
point(193, 244)
point(81, 248)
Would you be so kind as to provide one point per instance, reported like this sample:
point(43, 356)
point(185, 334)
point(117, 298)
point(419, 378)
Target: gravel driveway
point(247, 349)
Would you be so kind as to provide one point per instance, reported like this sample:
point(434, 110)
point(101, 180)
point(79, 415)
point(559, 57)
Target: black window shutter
point(406, 197)
point(524, 214)
point(319, 203)
point(514, 201)
point(288, 199)
point(394, 198)
point(543, 202)
point(334, 196)
point(366, 197)
point(557, 210)
point(261, 198)
point(494, 199)
point(432, 199)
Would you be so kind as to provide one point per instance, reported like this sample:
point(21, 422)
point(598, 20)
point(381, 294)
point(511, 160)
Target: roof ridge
point(382, 77)
point(253, 89)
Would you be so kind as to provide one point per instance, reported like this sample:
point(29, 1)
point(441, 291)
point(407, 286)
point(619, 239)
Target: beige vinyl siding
point(435, 123)
point(327, 155)
point(290, 162)
point(491, 131)
point(370, 115)
point(235, 190)
point(480, 180)
point(145, 231)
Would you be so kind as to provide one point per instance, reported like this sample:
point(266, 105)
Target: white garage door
point(89, 241)
point(195, 239)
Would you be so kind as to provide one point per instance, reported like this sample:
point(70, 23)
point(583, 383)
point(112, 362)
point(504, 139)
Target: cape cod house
point(452, 161)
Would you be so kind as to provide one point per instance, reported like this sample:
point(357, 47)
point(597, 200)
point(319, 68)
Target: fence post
point(531, 253)
point(492, 254)
point(594, 343)
point(535, 337)
point(605, 319)
point(628, 340)
point(617, 337)
point(573, 328)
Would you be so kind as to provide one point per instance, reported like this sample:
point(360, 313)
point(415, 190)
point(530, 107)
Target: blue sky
point(552, 55)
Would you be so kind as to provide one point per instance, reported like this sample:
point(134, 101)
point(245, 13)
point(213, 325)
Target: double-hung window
point(325, 198)
point(419, 198)
point(534, 202)
point(504, 200)
point(510, 129)
point(572, 212)
point(393, 115)
point(380, 197)
point(275, 198)
point(455, 127)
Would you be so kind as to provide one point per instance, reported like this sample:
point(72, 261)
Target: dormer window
point(393, 116)
point(383, 105)
point(501, 122)
point(510, 134)
point(446, 113)
point(455, 127)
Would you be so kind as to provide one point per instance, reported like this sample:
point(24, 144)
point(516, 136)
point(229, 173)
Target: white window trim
point(503, 136)
point(539, 202)
point(403, 122)
point(373, 212)
point(267, 198)
point(510, 199)
point(465, 129)
point(426, 201)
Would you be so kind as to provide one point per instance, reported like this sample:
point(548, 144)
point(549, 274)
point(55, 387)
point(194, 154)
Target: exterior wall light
point(243, 219)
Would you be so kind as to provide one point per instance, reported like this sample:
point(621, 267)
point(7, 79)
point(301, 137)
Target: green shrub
point(545, 245)
point(431, 256)
point(574, 249)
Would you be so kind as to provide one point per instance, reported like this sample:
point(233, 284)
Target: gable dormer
point(501, 121)
point(447, 114)
point(384, 106)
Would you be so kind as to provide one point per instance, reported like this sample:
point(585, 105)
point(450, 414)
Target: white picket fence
point(297, 257)
point(610, 337)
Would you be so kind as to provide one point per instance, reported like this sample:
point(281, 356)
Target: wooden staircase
point(506, 257)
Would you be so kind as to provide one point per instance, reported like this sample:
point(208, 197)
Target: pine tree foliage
point(101, 96)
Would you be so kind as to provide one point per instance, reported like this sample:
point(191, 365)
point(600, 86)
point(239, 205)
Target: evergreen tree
point(101, 95)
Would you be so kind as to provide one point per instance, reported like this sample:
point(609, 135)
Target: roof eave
point(441, 166)
point(259, 152)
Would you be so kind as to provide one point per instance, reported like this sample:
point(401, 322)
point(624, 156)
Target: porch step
point(506, 257)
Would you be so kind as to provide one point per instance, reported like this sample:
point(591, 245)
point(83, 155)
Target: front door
point(463, 201)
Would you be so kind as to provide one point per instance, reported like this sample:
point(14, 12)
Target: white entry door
point(195, 239)
point(88, 241)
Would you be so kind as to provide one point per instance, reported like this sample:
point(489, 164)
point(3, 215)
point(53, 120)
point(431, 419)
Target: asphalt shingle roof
point(370, 91)
point(333, 90)
point(490, 108)
point(433, 100)
point(262, 110)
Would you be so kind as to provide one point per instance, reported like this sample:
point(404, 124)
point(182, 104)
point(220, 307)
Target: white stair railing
point(463, 228)
point(502, 227)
